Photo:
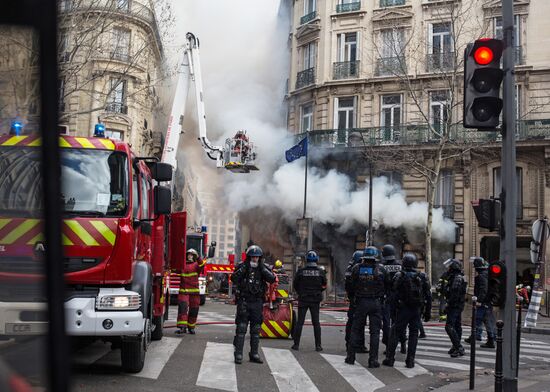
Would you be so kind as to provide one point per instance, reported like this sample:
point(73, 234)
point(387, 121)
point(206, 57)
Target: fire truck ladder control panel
point(237, 155)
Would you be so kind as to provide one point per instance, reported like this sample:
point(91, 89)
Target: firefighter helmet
point(357, 255)
point(254, 251)
point(312, 257)
point(278, 264)
point(370, 253)
point(409, 260)
point(193, 252)
point(388, 252)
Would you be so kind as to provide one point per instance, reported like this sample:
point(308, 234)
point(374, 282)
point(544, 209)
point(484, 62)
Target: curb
point(536, 331)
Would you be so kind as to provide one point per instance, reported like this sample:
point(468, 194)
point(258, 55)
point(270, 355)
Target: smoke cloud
point(245, 63)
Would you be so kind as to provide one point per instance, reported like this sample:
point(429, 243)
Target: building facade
point(386, 76)
point(111, 61)
point(222, 226)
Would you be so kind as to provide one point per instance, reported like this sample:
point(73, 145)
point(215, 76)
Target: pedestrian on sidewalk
point(309, 283)
point(250, 280)
point(368, 285)
point(355, 259)
point(411, 295)
point(484, 308)
point(189, 297)
point(455, 298)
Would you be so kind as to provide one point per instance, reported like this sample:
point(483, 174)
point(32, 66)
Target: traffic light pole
point(509, 202)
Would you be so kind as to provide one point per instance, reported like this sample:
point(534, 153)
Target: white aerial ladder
point(237, 155)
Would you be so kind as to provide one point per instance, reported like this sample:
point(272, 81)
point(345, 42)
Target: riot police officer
point(392, 266)
point(368, 286)
point(410, 294)
point(455, 297)
point(309, 283)
point(250, 279)
point(355, 259)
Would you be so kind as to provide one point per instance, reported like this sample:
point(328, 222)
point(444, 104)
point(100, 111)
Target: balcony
point(388, 66)
point(448, 210)
point(348, 7)
point(305, 78)
point(345, 70)
point(391, 3)
point(440, 61)
point(418, 134)
point(308, 18)
point(116, 107)
point(120, 55)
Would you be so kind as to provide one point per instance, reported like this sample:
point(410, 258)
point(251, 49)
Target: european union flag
point(297, 151)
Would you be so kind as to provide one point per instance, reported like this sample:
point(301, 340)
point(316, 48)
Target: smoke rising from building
point(245, 60)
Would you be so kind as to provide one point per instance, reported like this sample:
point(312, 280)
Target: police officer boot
point(490, 343)
point(409, 362)
point(350, 358)
point(254, 346)
point(238, 342)
point(388, 362)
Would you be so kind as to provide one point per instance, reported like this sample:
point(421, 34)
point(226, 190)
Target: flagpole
point(305, 176)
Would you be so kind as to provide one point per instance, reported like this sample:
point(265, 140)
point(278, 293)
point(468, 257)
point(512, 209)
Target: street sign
point(537, 227)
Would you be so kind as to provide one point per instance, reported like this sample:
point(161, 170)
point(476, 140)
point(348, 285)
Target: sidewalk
point(528, 381)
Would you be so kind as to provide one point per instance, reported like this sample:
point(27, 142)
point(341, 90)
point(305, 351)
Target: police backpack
point(411, 289)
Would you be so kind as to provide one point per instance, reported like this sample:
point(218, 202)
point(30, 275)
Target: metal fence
point(348, 7)
point(305, 78)
point(345, 69)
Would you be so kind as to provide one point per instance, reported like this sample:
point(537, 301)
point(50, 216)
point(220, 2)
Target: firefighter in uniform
point(250, 281)
point(368, 286)
point(484, 309)
point(189, 296)
point(392, 266)
point(455, 298)
point(411, 296)
point(309, 283)
point(355, 259)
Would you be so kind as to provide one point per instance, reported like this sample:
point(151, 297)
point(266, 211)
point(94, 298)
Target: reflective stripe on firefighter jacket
point(189, 277)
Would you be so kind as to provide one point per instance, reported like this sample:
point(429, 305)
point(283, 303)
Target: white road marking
point(356, 375)
point(286, 370)
point(457, 366)
point(158, 355)
point(218, 368)
point(417, 370)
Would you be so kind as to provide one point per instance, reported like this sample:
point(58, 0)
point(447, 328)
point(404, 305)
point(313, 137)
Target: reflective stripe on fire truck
point(16, 233)
point(105, 231)
point(64, 142)
point(81, 233)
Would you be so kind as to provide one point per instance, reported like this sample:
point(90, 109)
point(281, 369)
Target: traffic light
point(487, 213)
point(496, 292)
point(482, 78)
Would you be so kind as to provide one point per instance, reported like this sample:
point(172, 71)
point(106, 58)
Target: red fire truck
point(115, 236)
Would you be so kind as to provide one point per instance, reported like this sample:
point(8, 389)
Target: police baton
point(473, 345)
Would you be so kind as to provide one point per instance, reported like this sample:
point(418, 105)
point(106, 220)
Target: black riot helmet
point(388, 252)
point(370, 254)
point(254, 251)
point(480, 263)
point(357, 255)
point(410, 260)
point(453, 264)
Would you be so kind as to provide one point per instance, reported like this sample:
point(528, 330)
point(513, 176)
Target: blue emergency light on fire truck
point(238, 154)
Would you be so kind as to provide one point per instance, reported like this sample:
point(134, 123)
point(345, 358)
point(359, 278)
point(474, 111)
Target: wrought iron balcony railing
point(440, 61)
point(308, 18)
point(391, 66)
point(448, 210)
point(132, 8)
point(417, 134)
point(345, 69)
point(120, 55)
point(116, 107)
point(391, 3)
point(305, 78)
point(348, 7)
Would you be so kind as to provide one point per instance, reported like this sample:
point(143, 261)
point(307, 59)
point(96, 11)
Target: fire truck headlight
point(118, 302)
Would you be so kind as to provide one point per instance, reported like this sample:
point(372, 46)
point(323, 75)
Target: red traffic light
point(483, 55)
point(495, 269)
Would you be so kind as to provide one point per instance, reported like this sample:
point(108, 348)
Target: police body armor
point(251, 285)
point(370, 280)
point(311, 284)
point(392, 267)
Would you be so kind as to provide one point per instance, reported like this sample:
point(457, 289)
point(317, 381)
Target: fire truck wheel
point(203, 299)
point(158, 323)
point(132, 353)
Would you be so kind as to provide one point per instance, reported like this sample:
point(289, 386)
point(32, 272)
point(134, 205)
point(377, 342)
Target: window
point(123, 5)
point(392, 52)
point(444, 193)
point(345, 113)
point(394, 178)
point(222, 237)
point(61, 89)
point(63, 46)
point(518, 102)
point(347, 47)
point(135, 196)
point(65, 5)
point(497, 23)
point(309, 56)
point(145, 187)
point(440, 51)
point(439, 111)
point(117, 95)
point(230, 238)
point(121, 44)
point(114, 134)
point(497, 188)
point(390, 117)
point(306, 124)
point(309, 6)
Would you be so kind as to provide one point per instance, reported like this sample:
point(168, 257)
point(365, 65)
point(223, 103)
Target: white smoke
point(245, 62)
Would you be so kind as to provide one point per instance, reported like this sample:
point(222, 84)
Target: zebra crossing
point(205, 316)
point(291, 371)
